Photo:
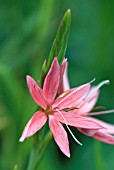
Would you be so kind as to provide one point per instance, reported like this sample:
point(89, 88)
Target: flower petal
point(88, 132)
point(59, 135)
point(72, 98)
point(77, 121)
point(36, 92)
point(100, 133)
point(34, 124)
point(109, 128)
point(51, 81)
point(89, 102)
point(64, 83)
point(104, 137)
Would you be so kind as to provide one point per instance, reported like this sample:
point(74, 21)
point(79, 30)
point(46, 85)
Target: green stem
point(98, 156)
point(38, 149)
point(32, 161)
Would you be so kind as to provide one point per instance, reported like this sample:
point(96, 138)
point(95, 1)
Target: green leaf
point(60, 42)
point(43, 73)
point(38, 150)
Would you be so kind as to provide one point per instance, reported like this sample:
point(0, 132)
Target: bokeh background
point(27, 30)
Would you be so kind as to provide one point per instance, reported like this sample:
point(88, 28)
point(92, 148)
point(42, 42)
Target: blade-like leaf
point(43, 73)
point(60, 42)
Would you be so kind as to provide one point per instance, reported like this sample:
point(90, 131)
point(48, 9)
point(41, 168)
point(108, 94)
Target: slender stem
point(32, 161)
point(98, 156)
point(36, 146)
point(38, 149)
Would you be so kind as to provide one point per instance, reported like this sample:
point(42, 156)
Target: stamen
point(76, 140)
point(69, 109)
point(99, 107)
point(64, 94)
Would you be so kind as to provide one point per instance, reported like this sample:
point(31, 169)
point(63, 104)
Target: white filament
point(76, 140)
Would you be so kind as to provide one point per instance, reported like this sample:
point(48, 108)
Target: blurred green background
point(27, 30)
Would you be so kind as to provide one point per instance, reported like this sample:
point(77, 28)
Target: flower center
point(48, 110)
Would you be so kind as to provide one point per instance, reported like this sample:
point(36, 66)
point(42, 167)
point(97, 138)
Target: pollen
point(69, 109)
point(64, 94)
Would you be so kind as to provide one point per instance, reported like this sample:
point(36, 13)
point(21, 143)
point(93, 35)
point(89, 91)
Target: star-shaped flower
point(105, 134)
point(60, 109)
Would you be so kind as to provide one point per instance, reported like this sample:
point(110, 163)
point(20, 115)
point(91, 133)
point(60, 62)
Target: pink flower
point(85, 107)
point(104, 135)
point(59, 110)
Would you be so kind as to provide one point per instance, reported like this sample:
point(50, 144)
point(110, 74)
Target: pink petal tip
point(21, 139)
